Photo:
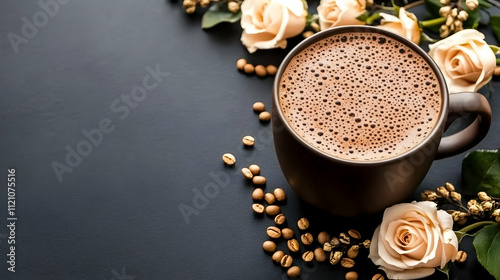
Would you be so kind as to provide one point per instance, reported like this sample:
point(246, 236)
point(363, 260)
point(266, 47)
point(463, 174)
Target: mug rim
point(372, 29)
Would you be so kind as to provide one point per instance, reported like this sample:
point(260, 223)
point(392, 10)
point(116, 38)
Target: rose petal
point(410, 273)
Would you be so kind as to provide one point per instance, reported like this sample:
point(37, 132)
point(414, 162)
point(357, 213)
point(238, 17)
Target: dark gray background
point(117, 213)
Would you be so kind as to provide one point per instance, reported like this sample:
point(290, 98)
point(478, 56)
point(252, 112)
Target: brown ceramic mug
point(344, 182)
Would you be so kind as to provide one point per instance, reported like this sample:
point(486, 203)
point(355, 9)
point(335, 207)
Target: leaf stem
point(476, 225)
point(414, 4)
point(498, 61)
point(381, 7)
point(433, 22)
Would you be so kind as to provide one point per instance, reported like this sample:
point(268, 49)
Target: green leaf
point(481, 172)
point(494, 48)
point(432, 9)
point(484, 4)
point(445, 270)
point(218, 13)
point(311, 18)
point(495, 23)
point(487, 244)
point(363, 16)
point(426, 38)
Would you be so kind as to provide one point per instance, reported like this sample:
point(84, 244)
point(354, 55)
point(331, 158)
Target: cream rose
point(405, 25)
point(413, 239)
point(268, 23)
point(340, 12)
point(466, 60)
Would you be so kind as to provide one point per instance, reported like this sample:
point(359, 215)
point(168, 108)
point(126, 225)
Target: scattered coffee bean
point(228, 159)
point(249, 68)
point(240, 64)
point(308, 256)
point(293, 245)
point(323, 237)
point(255, 169)
point(353, 251)
point(344, 238)
point(334, 242)
point(347, 262)
point(260, 70)
point(259, 107)
point(277, 256)
point(367, 243)
point(247, 173)
point(335, 257)
point(319, 255)
point(269, 198)
point(303, 223)
point(280, 219)
point(287, 233)
point(327, 247)
point(286, 261)
point(248, 141)
point(279, 194)
point(307, 34)
point(354, 234)
point(273, 210)
point(271, 70)
point(269, 246)
point(351, 275)
point(258, 194)
point(378, 276)
point(258, 208)
point(307, 238)
point(259, 180)
point(293, 271)
point(461, 256)
point(273, 232)
point(265, 116)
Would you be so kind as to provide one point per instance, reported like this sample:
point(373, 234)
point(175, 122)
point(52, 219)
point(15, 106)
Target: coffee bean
point(351, 275)
point(228, 159)
point(293, 271)
point(293, 245)
point(258, 194)
point(255, 169)
point(303, 223)
point(271, 70)
point(269, 246)
point(335, 242)
point(461, 256)
point(307, 238)
point(248, 141)
point(277, 256)
point(260, 70)
point(286, 261)
point(247, 173)
point(279, 194)
point(335, 257)
point(354, 234)
point(258, 107)
point(287, 233)
point(259, 180)
point(347, 262)
point(319, 255)
point(323, 237)
point(378, 276)
point(280, 219)
point(240, 64)
point(273, 232)
point(269, 198)
point(265, 116)
point(308, 256)
point(344, 238)
point(258, 208)
point(248, 68)
point(353, 251)
point(273, 210)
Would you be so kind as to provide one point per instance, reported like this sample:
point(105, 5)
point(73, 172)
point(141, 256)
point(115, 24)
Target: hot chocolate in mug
point(359, 115)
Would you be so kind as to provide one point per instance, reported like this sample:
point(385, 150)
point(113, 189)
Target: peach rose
point(466, 60)
point(405, 25)
point(340, 12)
point(413, 239)
point(268, 23)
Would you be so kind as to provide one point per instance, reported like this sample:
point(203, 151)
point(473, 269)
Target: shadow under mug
point(348, 187)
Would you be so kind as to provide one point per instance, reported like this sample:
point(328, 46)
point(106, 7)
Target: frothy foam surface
point(360, 96)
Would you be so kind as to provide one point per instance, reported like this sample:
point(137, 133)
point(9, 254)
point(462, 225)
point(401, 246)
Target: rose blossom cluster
point(465, 59)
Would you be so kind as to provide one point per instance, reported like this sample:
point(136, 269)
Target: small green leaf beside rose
point(218, 13)
point(487, 244)
point(481, 172)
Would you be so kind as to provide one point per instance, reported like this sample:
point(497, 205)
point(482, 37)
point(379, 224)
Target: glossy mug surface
point(358, 118)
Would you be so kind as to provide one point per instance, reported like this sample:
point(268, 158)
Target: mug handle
point(460, 103)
